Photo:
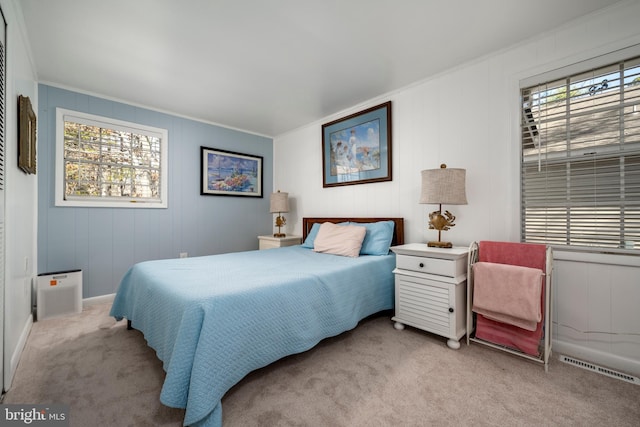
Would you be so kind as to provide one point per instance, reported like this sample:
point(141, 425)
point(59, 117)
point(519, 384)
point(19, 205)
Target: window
point(109, 163)
point(580, 173)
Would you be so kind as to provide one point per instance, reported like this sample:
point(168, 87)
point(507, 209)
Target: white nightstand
point(430, 290)
point(270, 242)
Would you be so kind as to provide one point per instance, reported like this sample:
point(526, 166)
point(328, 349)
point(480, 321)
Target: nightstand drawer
point(268, 244)
point(441, 267)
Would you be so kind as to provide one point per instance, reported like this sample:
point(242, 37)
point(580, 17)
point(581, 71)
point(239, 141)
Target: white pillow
point(345, 240)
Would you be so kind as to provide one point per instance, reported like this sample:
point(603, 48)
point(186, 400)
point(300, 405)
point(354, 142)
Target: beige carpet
point(371, 376)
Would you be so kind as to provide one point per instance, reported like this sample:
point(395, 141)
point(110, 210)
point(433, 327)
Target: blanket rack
point(544, 346)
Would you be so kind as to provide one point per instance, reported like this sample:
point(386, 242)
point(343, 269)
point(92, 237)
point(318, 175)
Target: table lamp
point(279, 203)
point(443, 186)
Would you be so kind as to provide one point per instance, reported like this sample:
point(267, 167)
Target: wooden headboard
point(398, 230)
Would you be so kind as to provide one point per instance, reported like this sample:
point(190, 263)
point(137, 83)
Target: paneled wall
point(105, 242)
point(467, 117)
point(597, 310)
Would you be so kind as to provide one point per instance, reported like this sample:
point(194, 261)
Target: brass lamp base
point(440, 222)
point(440, 245)
point(280, 222)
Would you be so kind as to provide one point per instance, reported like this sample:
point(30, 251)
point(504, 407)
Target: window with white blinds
point(106, 162)
point(580, 173)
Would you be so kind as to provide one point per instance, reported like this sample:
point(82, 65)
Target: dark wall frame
point(26, 135)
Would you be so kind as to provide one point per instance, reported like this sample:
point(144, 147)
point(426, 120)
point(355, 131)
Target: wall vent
point(599, 369)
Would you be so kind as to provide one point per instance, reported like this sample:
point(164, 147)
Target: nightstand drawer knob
point(450, 309)
point(421, 265)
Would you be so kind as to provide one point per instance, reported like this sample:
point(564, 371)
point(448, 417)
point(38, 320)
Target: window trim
point(578, 67)
point(111, 202)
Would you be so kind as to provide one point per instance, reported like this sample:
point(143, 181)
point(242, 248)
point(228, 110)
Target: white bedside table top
point(421, 249)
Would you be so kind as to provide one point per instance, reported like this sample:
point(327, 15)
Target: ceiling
point(269, 67)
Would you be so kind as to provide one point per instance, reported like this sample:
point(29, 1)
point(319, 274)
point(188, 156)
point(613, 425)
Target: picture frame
point(26, 135)
point(228, 173)
point(356, 149)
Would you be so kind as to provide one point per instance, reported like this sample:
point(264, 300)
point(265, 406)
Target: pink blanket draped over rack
point(508, 293)
point(519, 254)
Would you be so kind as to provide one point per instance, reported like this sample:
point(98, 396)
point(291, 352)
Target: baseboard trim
point(10, 370)
point(608, 360)
point(102, 299)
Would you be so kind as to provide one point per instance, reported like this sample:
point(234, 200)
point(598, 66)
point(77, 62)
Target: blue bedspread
point(214, 319)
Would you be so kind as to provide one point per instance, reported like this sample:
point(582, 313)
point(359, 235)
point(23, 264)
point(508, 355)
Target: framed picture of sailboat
point(227, 173)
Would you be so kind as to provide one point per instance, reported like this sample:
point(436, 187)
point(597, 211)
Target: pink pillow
point(345, 240)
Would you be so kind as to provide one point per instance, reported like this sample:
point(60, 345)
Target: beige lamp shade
point(443, 186)
point(279, 202)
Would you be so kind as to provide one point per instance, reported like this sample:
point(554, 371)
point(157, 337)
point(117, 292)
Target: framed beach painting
point(226, 173)
point(357, 149)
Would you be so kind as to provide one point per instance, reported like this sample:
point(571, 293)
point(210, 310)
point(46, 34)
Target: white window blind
point(581, 159)
point(105, 162)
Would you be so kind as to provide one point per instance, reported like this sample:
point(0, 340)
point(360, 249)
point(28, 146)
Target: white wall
point(467, 118)
point(20, 197)
point(597, 315)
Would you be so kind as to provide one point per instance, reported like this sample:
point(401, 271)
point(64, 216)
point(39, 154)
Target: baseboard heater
point(599, 369)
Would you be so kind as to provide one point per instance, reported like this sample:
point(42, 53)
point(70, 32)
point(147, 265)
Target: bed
point(214, 319)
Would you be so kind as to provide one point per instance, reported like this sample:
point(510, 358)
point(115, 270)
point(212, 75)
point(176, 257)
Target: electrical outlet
point(183, 254)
